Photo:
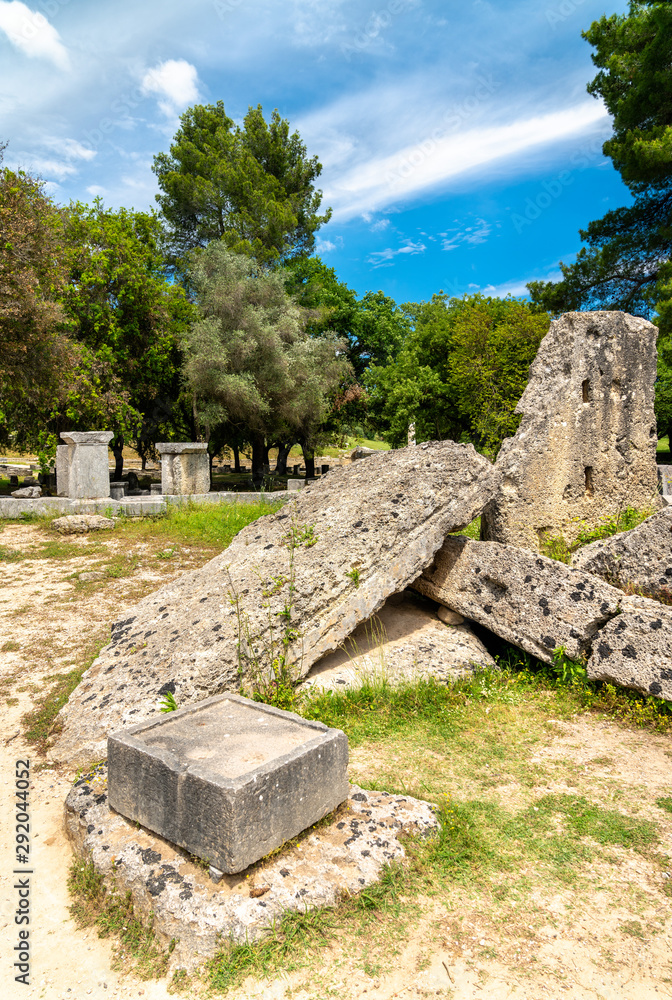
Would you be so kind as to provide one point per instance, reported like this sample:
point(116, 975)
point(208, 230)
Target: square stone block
point(228, 779)
point(185, 468)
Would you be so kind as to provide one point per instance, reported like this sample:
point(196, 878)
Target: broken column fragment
point(586, 444)
point(318, 568)
point(529, 600)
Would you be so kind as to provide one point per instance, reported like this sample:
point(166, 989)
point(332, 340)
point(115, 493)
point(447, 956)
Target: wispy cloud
point(471, 235)
point(379, 182)
point(175, 83)
point(385, 258)
point(31, 33)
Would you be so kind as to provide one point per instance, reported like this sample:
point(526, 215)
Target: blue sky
point(460, 149)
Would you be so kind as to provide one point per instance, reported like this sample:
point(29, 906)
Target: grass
point(40, 721)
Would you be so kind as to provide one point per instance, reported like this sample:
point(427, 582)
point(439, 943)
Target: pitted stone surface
point(28, 493)
point(531, 601)
point(338, 858)
point(365, 532)
point(228, 779)
point(634, 649)
point(80, 524)
point(639, 560)
point(403, 641)
point(586, 444)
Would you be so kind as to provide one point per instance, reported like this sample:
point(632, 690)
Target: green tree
point(461, 372)
point(249, 361)
point(253, 187)
point(37, 359)
point(623, 264)
point(126, 316)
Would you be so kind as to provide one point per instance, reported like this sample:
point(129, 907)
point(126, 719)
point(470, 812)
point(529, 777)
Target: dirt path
point(608, 937)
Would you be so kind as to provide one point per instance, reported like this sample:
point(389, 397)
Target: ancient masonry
point(586, 444)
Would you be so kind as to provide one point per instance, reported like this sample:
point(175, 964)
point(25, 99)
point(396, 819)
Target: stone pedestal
point(295, 484)
point(228, 779)
point(82, 467)
point(185, 468)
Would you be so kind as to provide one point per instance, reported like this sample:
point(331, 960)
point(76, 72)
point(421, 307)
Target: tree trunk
point(259, 456)
point(283, 454)
point(265, 453)
point(118, 452)
point(309, 460)
point(236, 457)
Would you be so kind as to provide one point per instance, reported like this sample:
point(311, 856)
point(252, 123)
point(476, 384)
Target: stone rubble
point(638, 561)
point(81, 524)
point(404, 641)
point(340, 856)
point(332, 556)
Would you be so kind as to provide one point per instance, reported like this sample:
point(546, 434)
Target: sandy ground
point(568, 944)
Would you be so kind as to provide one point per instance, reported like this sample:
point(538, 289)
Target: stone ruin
point(340, 552)
point(586, 444)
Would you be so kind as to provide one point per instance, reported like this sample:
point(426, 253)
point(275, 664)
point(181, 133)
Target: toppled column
point(82, 465)
point(185, 468)
point(586, 444)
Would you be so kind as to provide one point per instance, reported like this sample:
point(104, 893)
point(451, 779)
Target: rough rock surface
point(80, 524)
point(635, 648)
point(338, 858)
point(534, 602)
point(361, 452)
point(586, 444)
point(639, 560)
point(320, 567)
point(449, 616)
point(403, 641)
point(28, 493)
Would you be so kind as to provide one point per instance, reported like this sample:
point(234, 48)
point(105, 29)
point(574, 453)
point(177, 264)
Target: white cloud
point(70, 148)
point(31, 33)
point(385, 258)
point(410, 171)
point(96, 191)
point(380, 225)
point(175, 82)
point(472, 235)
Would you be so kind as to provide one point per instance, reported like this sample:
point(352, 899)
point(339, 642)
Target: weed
point(665, 803)
point(556, 547)
point(11, 555)
point(10, 646)
point(633, 928)
point(569, 671)
point(353, 574)
point(168, 703)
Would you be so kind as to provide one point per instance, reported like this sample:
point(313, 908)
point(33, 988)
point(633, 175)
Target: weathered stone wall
point(586, 444)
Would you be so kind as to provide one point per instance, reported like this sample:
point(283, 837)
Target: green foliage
point(353, 574)
point(626, 262)
point(250, 186)
point(665, 803)
point(37, 359)
point(569, 671)
point(249, 361)
point(627, 518)
point(460, 372)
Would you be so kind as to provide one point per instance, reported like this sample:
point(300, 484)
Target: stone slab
point(638, 561)
point(586, 444)
point(82, 471)
point(334, 554)
point(229, 779)
point(665, 479)
point(181, 447)
point(404, 641)
point(82, 524)
point(529, 600)
point(130, 507)
point(635, 648)
point(341, 857)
